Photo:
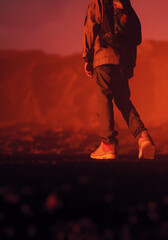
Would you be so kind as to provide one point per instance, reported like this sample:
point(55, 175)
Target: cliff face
point(53, 91)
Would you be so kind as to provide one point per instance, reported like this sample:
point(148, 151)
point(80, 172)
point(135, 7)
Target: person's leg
point(105, 106)
point(109, 142)
point(122, 100)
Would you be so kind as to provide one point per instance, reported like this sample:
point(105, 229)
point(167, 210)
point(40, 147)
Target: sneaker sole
point(106, 156)
point(148, 152)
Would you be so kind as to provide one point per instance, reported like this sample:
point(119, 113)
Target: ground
point(47, 192)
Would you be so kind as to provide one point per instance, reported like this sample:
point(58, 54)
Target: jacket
point(96, 50)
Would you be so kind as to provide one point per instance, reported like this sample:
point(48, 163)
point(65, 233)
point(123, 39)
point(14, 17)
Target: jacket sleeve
point(91, 28)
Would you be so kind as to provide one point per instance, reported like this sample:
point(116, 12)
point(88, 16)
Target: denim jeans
point(112, 86)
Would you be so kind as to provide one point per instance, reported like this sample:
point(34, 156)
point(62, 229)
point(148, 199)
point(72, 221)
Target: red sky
point(56, 26)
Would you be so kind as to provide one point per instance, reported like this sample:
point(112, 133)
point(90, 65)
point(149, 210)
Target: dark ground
point(75, 198)
point(50, 189)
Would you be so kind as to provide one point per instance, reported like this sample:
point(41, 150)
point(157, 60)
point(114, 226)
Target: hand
point(89, 69)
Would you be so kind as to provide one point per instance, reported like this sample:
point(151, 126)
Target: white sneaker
point(146, 146)
point(105, 151)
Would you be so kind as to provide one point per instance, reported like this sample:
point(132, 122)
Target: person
point(112, 32)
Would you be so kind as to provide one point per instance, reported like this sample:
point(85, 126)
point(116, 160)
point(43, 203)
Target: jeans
point(111, 85)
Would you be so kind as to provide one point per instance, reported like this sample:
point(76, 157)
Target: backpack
point(120, 26)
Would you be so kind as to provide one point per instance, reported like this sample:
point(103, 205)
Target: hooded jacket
point(95, 49)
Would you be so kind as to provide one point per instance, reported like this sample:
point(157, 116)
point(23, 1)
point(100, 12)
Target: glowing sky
point(56, 26)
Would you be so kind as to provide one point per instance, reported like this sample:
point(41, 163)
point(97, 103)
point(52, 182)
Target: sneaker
point(146, 146)
point(105, 151)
